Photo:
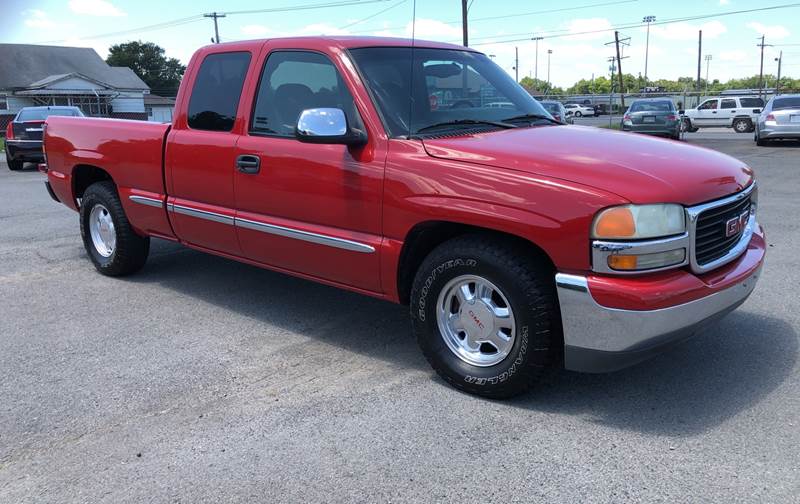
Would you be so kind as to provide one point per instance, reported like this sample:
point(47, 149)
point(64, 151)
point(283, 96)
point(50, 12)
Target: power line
point(529, 13)
point(344, 3)
point(566, 33)
point(387, 9)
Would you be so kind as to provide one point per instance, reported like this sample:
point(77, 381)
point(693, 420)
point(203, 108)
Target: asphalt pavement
point(204, 380)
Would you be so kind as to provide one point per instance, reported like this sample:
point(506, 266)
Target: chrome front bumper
point(600, 339)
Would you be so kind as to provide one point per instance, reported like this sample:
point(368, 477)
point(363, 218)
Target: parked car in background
point(779, 119)
point(653, 116)
point(579, 110)
point(737, 112)
point(24, 134)
point(558, 111)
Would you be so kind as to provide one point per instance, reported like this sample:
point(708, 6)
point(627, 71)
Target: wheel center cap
point(477, 320)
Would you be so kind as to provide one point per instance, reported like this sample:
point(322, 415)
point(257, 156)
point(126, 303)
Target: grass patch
point(614, 126)
point(2, 144)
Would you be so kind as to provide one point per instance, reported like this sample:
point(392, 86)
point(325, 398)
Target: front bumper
point(600, 338)
point(24, 150)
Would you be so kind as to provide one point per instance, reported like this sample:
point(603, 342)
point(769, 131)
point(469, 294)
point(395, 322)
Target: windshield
point(40, 114)
point(786, 103)
point(652, 106)
point(441, 86)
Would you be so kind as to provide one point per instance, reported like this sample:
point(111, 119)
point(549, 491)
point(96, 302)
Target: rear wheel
point(113, 246)
point(13, 165)
point(742, 125)
point(485, 316)
point(578, 113)
point(686, 126)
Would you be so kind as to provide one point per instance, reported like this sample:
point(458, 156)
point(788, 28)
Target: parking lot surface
point(205, 380)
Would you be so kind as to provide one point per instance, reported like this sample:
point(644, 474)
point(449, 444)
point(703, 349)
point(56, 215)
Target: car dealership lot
point(201, 379)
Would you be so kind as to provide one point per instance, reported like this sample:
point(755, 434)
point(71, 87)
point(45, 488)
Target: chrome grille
point(708, 224)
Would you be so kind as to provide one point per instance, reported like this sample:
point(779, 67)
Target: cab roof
point(341, 42)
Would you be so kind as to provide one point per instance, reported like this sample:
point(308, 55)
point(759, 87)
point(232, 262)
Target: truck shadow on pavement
point(683, 392)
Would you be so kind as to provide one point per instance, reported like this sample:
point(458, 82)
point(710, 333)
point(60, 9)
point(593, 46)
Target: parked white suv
point(737, 112)
point(579, 110)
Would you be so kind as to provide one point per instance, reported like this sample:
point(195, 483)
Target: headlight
point(635, 222)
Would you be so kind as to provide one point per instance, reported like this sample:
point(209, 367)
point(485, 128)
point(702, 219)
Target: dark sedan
point(24, 134)
point(558, 111)
point(653, 116)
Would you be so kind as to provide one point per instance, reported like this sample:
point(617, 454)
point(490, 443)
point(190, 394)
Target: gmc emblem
point(737, 224)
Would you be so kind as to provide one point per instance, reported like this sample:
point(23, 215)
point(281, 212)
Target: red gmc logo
point(737, 224)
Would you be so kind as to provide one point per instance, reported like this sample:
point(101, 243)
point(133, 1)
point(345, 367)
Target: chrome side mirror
point(327, 126)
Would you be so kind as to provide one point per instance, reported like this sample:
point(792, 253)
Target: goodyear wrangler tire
point(113, 246)
point(485, 315)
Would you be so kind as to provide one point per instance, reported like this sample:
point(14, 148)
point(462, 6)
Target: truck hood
point(639, 168)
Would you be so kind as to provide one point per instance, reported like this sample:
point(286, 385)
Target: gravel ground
point(204, 380)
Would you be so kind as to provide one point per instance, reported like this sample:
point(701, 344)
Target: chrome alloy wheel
point(101, 229)
point(475, 320)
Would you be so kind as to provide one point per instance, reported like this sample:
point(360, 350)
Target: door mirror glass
point(681, 112)
point(327, 125)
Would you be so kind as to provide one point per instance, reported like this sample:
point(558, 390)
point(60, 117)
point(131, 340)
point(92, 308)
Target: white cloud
point(735, 55)
point(433, 29)
point(322, 29)
point(100, 8)
point(772, 32)
point(255, 30)
point(724, 2)
point(38, 19)
point(688, 31)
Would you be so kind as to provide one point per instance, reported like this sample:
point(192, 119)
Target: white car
point(579, 110)
point(737, 112)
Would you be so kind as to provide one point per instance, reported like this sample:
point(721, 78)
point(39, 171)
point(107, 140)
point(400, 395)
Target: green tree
point(148, 61)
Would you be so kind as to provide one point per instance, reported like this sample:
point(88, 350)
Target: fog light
point(646, 261)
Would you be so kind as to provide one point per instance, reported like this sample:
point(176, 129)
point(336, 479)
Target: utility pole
point(648, 20)
point(464, 28)
point(549, 52)
point(699, 56)
point(708, 62)
point(536, 65)
point(779, 59)
point(216, 27)
point(619, 72)
point(516, 63)
point(762, 45)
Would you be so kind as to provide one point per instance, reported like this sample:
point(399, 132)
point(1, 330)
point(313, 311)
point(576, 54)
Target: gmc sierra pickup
point(424, 175)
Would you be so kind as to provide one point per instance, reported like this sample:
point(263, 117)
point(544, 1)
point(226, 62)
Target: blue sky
point(730, 40)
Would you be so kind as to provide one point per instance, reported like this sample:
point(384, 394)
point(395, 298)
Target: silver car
point(779, 119)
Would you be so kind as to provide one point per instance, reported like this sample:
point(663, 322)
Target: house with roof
point(35, 75)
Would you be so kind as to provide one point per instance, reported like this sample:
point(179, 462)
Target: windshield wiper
point(531, 117)
point(462, 122)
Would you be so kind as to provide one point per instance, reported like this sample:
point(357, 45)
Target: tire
point(676, 135)
point(578, 113)
point(128, 251)
point(686, 126)
point(522, 285)
point(14, 165)
point(742, 125)
point(761, 142)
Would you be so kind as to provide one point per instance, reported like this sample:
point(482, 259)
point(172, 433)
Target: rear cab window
point(40, 114)
point(217, 90)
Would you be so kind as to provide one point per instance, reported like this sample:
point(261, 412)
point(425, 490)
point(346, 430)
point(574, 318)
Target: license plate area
point(794, 118)
point(649, 119)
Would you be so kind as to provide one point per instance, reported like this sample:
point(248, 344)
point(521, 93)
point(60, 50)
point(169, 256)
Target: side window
point(708, 105)
point(728, 103)
point(293, 81)
point(752, 102)
point(3, 103)
point(216, 91)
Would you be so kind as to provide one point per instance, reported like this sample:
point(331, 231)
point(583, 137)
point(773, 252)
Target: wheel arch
point(84, 175)
point(426, 236)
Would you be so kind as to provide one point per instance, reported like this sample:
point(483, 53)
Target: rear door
point(728, 110)
point(201, 154)
point(314, 209)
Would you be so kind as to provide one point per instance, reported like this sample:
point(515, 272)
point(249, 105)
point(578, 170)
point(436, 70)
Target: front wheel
point(113, 246)
point(742, 125)
point(485, 316)
point(578, 114)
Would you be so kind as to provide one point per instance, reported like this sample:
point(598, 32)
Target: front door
point(314, 209)
point(707, 113)
point(200, 156)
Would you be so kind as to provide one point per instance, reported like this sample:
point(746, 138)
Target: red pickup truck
point(422, 174)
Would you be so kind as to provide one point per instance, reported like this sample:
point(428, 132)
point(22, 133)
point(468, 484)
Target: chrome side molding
point(144, 200)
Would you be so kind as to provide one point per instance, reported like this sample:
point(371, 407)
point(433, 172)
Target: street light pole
point(516, 63)
point(779, 59)
point(549, 52)
point(536, 64)
point(648, 20)
point(708, 63)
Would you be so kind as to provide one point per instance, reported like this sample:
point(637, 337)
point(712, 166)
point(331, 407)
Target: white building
point(32, 75)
